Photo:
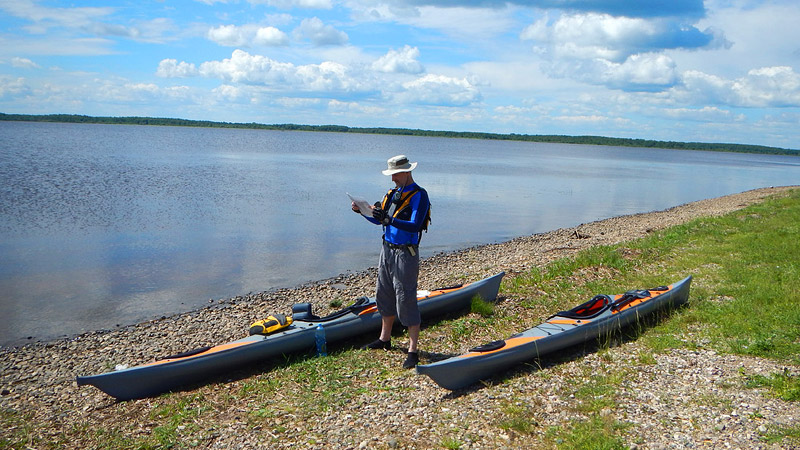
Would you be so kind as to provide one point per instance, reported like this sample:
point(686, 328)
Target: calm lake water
point(105, 225)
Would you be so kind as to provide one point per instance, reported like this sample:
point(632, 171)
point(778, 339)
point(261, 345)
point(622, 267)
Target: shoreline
point(38, 380)
point(540, 246)
point(445, 268)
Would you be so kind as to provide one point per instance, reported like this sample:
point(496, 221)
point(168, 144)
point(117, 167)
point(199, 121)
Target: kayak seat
point(592, 308)
point(488, 347)
point(304, 309)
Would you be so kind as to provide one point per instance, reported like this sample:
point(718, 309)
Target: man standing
point(403, 213)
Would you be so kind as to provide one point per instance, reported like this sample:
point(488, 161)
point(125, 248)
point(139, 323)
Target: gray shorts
point(396, 293)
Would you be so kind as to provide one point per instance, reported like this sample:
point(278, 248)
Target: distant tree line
point(561, 139)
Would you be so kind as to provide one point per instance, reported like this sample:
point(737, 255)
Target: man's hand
point(381, 216)
point(355, 208)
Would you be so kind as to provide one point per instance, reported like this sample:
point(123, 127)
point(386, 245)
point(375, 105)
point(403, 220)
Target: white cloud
point(228, 35)
point(586, 36)
point(618, 52)
point(704, 114)
point(769, 86)
point(247, 35)
point(354, 108)
point(228, 92)
point(270, 36)
point(44, 18)
point(243, 67)
point(258, 70)
point(642, 72)
point(318, 33)
point(13, 87)
point(440, 90)
point(399, 61)
point(171, 68)
point(777, 86)
point(23, 63)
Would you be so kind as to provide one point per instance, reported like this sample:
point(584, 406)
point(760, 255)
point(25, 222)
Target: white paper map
point(363, 205)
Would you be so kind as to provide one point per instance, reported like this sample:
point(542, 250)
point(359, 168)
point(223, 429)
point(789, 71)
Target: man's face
point(400, 178)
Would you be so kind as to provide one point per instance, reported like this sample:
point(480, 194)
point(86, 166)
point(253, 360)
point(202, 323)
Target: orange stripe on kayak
point(216, 349)
point(568, 321)
point(510, 343)
point(436, 293)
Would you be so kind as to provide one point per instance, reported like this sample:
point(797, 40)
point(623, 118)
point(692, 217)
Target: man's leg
point(413, 338)
point(386, 328)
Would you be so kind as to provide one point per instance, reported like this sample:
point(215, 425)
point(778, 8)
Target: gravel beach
point(38, 380)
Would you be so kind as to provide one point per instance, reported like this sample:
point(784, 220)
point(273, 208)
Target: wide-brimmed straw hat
point(397, 164)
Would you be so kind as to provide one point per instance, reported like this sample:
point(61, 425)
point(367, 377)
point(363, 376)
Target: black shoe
point(411, 361)
point(378, 344)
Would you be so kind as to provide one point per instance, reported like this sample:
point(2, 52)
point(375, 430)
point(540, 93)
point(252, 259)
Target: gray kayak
point(201, 364)
point(600, 315)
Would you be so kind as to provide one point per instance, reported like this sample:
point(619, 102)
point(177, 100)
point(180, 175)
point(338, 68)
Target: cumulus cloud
point(228, 92)
point(171, 68)
point(619, 52)
point(257, 70)
point(641, 72)
point(399, 61)
point(247, 35)
point(777, 86)
point(613, 38)
point(318, 33)
point(440, 90)
point(270, 36)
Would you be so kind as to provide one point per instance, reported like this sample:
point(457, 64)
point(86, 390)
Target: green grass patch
point(481, 307)
point(451, 443)
point(784, 435)
point(782, 385)
point(18, 430)
point(518, 418)
point(596, 433)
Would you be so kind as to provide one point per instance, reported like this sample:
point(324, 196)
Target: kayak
point(295, 335)
point(601, 315)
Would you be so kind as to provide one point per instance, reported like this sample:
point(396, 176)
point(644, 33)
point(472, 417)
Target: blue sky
point(683, 70)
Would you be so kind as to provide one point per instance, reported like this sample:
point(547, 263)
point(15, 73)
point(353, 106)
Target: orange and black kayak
point(295, 335)
point(598, 316)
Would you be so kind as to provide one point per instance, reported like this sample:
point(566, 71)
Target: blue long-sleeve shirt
point(405, 227)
